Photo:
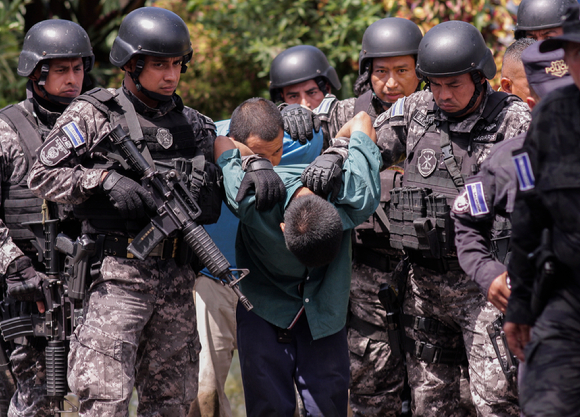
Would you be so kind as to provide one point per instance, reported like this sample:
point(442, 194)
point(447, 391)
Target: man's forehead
point(65, 61)
point(304, 85)
point(454, 79)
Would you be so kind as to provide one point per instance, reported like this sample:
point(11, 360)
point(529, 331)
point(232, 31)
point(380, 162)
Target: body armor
point(420, 209)
point(167, 138)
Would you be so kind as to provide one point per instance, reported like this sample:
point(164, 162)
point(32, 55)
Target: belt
point(426, 324)
point(117, 246)
point(428, 353)
point(366, 329)
point(375, 260)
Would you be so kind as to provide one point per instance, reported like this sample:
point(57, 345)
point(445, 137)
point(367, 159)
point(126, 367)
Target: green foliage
point(11, 36)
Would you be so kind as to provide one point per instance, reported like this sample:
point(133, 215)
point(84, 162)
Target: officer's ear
point(531, 102)
point(506, 85)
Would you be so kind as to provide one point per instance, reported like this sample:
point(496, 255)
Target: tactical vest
point(167, 138)
point(435, 171)
point(19, 205)
point(365, 103)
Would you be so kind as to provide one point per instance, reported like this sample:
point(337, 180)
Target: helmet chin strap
point(476, 77)
point(135, 77)
point(51, 97)
point(385, 104)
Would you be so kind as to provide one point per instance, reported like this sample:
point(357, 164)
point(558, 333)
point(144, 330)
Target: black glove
point(261, 177)
point(131, 199)
point(324, 175)
point(299, 122)
point(23, 282)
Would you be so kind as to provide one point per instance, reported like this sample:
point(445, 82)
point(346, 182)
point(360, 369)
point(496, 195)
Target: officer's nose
point(304, 101)
point(392, 83)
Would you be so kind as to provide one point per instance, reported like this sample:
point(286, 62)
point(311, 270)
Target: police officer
point(541, 19)
point(301, 76)
point(545, 285)
point(445, 133)
point(139, 327)
point(386, 73)
point(56, 55)
point(480, 211)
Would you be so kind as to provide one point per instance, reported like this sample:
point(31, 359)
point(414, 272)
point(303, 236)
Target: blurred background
point(234, 41)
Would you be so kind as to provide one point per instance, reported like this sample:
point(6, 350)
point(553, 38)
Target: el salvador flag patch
point(524, 171)
point(476, 196)
point(74, 134)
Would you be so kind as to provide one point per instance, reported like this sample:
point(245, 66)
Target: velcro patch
point(461, 204)
point(476, 196)
point(54, 151)
point(324, 106)
point(74, 134)
point(524, 171)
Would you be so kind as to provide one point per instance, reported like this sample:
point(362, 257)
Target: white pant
point(215, 306)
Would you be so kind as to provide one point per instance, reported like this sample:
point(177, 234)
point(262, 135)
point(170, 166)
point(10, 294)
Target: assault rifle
point(507, 360)
point(177, 211)
point(57, 322)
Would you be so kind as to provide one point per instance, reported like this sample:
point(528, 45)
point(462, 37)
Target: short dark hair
point(514, 51)
point(313, 230)
point(256, 116)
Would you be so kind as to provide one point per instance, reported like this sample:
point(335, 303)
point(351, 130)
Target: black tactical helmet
point(51, 39)
point(540, 14)
point(393, 36)
point(298, 64)
point(454, 48)
point(151, 31)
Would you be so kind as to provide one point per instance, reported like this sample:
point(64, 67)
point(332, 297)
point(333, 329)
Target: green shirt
point(275, 273)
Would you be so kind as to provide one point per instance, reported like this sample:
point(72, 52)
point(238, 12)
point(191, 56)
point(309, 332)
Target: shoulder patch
point(461, 203)
point(476, 196)
point(74, 134)
point(524, 171)
point(325, 106)
point(54, 150)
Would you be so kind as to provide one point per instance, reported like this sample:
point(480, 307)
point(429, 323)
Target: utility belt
point(376, 260)
point(420, 221)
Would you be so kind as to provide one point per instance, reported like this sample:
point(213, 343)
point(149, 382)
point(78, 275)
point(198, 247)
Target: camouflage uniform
point(376, 377)
point(139, 327)
point(27, 358)
point(440, 297)
point(549, 199)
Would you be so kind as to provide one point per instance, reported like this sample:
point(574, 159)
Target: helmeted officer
point(386, 73)
point(541, 19)
point(444, 133)
point(544, 264)
point(139, 328)
point(302, 75)
point(55, 56)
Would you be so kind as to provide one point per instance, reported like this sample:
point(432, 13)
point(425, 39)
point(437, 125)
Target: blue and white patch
point(524, 171)
point(74, 134)
point(476, 196)
point(398, 109)
point(325, 106)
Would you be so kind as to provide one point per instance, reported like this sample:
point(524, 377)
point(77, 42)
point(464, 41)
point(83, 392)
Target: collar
point(164, 107)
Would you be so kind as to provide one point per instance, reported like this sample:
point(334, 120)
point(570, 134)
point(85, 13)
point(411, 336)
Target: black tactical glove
point(261, 177)
point(324, 175)
point(131, 199)
point(22, 281)
point(299, 122)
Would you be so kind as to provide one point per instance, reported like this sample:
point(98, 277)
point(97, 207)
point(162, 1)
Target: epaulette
point(325, 106)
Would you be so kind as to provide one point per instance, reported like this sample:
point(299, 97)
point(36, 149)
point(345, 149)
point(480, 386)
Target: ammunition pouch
point(420, 221)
